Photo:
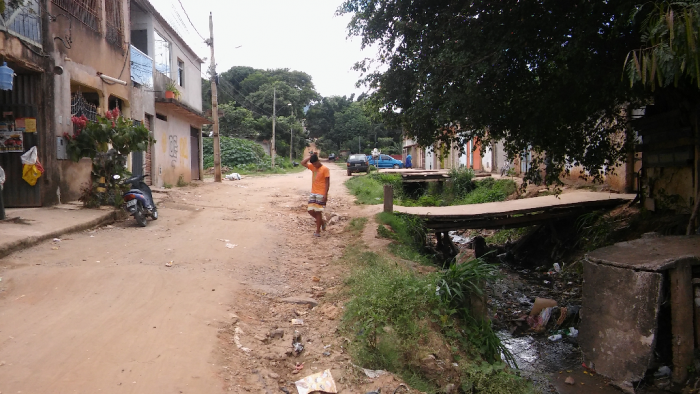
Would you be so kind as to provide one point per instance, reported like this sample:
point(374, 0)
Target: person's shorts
point(316, 202)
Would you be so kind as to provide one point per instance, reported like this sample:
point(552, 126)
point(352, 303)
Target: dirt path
point(100, 311)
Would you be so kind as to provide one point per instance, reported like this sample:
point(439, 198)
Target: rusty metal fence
point(115, 25)
point(86, 11)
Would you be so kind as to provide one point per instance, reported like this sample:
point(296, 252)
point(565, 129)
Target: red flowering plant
point(107, 142)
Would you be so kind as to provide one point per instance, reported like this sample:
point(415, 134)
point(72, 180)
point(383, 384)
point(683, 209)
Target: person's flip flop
point(323, 226)
point(317, 235)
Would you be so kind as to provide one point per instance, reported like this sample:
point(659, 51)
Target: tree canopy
point(542, 75)
point(246, 98)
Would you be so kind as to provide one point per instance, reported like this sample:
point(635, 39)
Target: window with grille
point(115, 26)
point(86, 11)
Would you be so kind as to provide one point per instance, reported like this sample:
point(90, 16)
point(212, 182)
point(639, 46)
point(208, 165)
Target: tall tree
point(541, 75)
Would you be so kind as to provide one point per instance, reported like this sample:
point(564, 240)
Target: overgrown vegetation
point(244, 157)
point(108, 141)
point(402, 320)
point(460, 189)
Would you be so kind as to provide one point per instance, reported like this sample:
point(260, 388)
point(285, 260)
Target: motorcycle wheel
point(140, 217)
point(154, 214)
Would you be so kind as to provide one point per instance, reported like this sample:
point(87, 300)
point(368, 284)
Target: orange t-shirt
point(318, 179)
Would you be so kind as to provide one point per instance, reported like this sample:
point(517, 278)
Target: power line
point(240, 102)
point(188, 18)
point(245, 98)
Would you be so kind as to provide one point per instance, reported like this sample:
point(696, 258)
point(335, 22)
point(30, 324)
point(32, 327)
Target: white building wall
point(171, 155)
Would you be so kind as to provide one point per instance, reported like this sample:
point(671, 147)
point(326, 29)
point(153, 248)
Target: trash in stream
point(554, 337)
point(539, 322)
point(322, 381)
point(372, 373)
point(458, 239)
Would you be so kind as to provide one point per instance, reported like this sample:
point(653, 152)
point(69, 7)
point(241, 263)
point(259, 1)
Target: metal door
point(194, 155)
point(21, 102)
point(137, 163)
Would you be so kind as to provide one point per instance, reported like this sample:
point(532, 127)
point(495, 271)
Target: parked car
point(331, 157)
point(385, 161)
point(357, 163)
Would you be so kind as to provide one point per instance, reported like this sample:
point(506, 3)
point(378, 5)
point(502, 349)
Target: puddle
point(539, 357)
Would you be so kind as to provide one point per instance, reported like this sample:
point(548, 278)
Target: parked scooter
point(138, 201)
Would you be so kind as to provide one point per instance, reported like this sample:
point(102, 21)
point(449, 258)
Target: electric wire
point(188, 18)
point(243, 96)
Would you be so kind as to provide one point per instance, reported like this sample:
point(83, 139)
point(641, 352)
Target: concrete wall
point(171, 156)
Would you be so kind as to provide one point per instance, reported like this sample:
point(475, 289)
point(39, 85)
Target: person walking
point(409, 163)
point(320, 183)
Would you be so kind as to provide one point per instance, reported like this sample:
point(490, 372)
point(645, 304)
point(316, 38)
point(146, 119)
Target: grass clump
point(461, 189)
point(488, 190)
point(388, 313)
point(356, 225)
point(397, 318)
point(369, 189)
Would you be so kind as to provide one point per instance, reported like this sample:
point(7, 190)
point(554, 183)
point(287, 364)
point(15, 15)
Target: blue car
point(385, 161)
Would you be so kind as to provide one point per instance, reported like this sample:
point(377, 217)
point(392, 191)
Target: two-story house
point(160, 57)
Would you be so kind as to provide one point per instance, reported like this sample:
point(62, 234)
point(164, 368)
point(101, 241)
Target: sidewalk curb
point(107, 218)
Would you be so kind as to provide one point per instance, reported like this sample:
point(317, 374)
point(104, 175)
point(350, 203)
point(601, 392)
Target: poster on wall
point(10, 140)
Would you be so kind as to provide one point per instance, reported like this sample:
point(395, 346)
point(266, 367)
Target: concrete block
point(619, 320)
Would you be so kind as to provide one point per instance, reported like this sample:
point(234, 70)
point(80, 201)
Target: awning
point(194, 116)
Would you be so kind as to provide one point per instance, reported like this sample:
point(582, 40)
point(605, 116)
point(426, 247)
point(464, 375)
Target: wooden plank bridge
point(515, 213)
point(415, 176)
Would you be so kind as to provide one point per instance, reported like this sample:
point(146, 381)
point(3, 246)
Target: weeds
point(386, 313)
point(485, 378)
point(594, 231)
point(181, 181)
point(369, 189)
point(357, 225)
point(459, 190)
point(501, 237)
point(488, 190)
point(461, 181)
point(167, 185)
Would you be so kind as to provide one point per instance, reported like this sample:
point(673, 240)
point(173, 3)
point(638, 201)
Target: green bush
point(461, 181)
point(489, 190)
point(235, 152)
point(369, 189)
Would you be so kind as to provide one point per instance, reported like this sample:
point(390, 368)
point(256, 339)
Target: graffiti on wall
point(173, 149)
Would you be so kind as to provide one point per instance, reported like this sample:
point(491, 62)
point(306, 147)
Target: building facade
point(163, 60)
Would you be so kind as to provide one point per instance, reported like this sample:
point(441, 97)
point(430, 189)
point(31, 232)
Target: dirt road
point(100, 311)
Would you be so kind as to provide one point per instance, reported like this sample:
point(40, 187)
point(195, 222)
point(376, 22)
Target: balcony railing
point(86, 11)
point(24, 22)
point(141, 68)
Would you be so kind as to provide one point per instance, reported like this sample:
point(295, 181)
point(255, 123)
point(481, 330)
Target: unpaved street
point(101, 312)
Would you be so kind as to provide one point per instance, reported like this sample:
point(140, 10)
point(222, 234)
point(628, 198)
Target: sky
point(302, 35)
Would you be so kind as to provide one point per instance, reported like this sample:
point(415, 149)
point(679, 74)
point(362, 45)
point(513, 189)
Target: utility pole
point(291, 135)
point(272, 146)
point(215, 105)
